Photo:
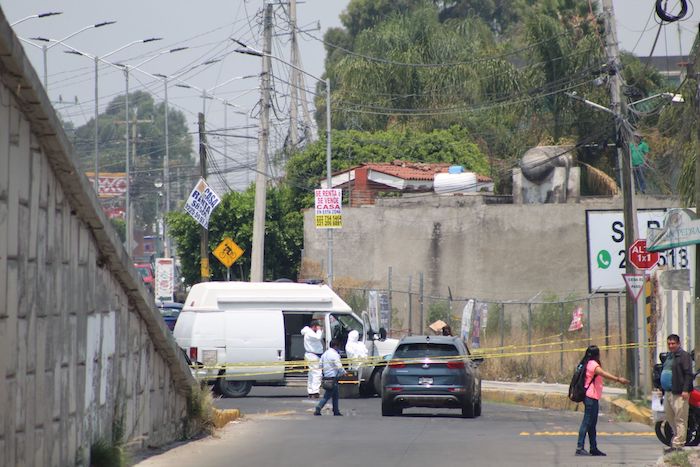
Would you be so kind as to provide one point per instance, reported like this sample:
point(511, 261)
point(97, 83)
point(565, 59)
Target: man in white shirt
point(332, 368)
point(313, 349)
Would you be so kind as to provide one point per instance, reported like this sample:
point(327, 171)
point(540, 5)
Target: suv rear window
point(425, 349)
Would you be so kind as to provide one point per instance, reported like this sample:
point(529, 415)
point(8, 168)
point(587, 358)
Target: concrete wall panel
point(63, 382)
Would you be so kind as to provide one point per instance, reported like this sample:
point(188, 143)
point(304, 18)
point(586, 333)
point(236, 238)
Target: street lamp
point(97, 59)
point(39, 15)
point(45, 48)
point(257, 260)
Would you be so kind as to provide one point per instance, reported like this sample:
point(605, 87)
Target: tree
point(149, 146)
point(233, 218)
point(454, 145)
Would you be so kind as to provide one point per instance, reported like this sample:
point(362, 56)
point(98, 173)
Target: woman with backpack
point(594, 390)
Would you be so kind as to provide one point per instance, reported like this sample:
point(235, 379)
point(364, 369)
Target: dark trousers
point(639, 180)
point(588, 424)
point(328, 394)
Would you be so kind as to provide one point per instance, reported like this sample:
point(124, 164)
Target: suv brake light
point(193, 354)
point(397, 364)
point(455, 365)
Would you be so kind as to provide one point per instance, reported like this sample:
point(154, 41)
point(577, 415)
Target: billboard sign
point(111, 184)
point(605, 232)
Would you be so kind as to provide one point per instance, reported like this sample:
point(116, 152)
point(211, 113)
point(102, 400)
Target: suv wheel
point(389, 409)
point(468, 408)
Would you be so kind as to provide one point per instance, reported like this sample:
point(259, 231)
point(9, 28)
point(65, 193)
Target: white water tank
point(447, 183)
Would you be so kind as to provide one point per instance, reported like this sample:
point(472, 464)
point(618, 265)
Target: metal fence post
point(588, 319)
point(391, 311)
point(529, 336)
point(562, 324)
point(421, 299)
point(619, 329)
point(607, 324)
point(410, 306)
point(502, 324)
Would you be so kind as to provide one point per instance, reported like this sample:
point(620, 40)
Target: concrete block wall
point(479, 250)
point(82, 350)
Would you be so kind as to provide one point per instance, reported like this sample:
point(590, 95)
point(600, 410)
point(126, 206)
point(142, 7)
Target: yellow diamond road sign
point(228, 252)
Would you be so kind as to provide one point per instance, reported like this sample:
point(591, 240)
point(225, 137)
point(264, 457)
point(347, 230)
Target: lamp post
point(259, 219)
point(97, 60)
point(45, 48)
point(166, 161)
point(39, 15)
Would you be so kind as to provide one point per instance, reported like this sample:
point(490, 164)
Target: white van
point(255, 327)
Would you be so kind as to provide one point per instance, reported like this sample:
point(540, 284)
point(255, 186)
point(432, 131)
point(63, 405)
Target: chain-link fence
point(537, 340)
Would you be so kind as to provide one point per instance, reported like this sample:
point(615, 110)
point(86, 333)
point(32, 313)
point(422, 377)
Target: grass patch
point(106, 454)
point(200, 412)
point(678, 458)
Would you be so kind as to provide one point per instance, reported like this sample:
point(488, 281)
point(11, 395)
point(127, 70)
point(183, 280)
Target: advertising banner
point(329, 209)
point(384, 311)
point(605, 232)
point(165, 279)
point(201, 203)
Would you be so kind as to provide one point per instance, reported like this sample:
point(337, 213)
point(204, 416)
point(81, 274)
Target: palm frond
point(599, 182)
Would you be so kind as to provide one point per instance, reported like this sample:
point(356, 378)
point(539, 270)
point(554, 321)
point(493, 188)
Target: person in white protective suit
point(313, 349)
point(354, 349)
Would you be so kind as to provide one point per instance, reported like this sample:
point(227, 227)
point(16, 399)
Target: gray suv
point(432, 371)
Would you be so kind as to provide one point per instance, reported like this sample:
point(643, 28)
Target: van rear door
point(254, 345)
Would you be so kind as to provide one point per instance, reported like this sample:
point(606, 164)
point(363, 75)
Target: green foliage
point(306, 169)
point(105, 454)
point(493, 323)
point(234, 218)
point(551, 316)
point(357, 301)
point(678, 458)
point(200, 412)
point(149, 147)
point(439, 310)
point(396, 75)
point(120, 226)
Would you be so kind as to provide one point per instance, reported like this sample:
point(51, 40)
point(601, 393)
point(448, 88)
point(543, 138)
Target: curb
point(555, 401)
point(222, 417)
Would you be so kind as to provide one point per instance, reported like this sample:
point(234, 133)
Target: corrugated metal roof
point(415, 170)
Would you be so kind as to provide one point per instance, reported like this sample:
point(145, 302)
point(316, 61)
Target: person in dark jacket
point(677, 382)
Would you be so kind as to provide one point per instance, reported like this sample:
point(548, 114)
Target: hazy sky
point(205, 28)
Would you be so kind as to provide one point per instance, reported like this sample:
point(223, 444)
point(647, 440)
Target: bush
point(200, 412)
point(439, 310)
point(493, 324)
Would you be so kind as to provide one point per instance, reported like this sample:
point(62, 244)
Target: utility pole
point(258, 247)
point(128, 164)
point(619, 109)
point(166, 171)
point(329, 179)
point(293, 133)
point(693, 73)
point(204, 233)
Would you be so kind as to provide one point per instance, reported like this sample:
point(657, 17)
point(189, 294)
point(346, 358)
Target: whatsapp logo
point(603, 259)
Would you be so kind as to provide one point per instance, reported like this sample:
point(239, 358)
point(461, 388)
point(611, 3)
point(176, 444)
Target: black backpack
point(577, 387)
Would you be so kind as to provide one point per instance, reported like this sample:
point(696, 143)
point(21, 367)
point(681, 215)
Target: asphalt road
point(280, 429)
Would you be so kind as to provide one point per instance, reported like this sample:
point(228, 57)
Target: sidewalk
point(555, 396)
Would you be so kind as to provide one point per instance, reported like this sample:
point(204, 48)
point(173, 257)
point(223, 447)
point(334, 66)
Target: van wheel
point(377, 381)
point(233, 388)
